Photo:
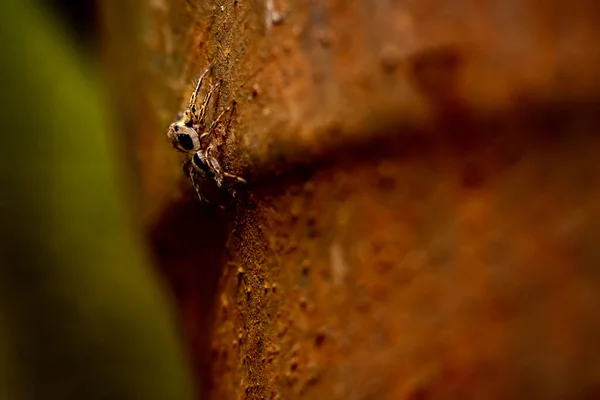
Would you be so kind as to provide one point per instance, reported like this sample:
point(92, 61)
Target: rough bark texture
point(422, 210)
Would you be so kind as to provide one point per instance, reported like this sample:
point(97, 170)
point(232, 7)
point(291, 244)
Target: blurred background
point(419, 222)
point(80, 18)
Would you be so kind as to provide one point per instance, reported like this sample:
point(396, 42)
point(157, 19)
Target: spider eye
point(185, 141)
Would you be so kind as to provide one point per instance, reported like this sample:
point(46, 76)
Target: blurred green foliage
point(81, 314)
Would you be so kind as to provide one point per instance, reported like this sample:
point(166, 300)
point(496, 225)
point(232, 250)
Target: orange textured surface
point(423, 201)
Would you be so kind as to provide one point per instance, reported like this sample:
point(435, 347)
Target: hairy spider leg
point(216, 167)
point(188, 116)
point(202, 112)
point(194, 96)
point(191, 173)
point(214, 124)
point(228, 175)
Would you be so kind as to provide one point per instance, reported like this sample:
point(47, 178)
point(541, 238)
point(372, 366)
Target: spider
point(189, 135)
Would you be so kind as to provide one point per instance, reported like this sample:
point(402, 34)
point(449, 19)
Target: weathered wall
point(423, 203)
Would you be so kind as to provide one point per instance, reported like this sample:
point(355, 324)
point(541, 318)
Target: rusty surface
point(423, 205)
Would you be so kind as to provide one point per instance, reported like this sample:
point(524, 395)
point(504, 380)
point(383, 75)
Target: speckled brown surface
point(422, 210)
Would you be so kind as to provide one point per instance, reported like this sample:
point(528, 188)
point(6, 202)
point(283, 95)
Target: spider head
point(183, 138)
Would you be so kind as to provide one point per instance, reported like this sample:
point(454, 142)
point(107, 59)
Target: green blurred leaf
point(81, 314)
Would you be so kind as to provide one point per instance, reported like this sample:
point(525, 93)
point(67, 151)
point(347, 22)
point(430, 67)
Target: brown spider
point(189, 134)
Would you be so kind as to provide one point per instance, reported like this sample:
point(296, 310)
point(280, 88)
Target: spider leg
point(189, 116)
point(194, 96)
point(239, 179)
point(201, 115)
point(214, 124)
point(216, 167)
point(192, 174)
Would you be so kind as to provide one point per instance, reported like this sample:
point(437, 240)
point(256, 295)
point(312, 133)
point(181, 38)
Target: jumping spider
point(189, 134)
